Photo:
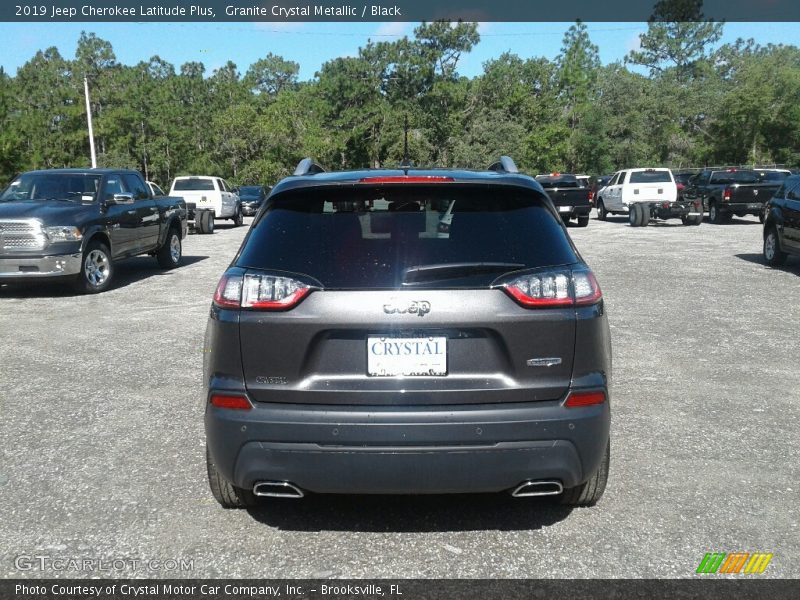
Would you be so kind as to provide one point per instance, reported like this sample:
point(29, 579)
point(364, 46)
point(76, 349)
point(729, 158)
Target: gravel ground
point(102, 443)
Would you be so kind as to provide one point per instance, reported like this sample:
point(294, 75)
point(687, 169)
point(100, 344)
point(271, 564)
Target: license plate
point(564, 209)
point(754, 205)
point(406, 356)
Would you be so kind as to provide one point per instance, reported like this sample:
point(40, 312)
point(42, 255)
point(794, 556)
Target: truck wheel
point(761, 217)
point(691, 219)
point(772, 251)
point(602, 215)
point(587, 494)
point(644, 215)
point(170, 253)
point(238, 218)
point(97, 270)
point(583, 221)
point(715, 214)
point(206, 222)
point(633, 215)
point(224, 492)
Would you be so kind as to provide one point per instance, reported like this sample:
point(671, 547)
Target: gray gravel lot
point(102, 452)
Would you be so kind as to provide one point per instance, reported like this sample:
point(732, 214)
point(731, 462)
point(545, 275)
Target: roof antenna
point(406, 162)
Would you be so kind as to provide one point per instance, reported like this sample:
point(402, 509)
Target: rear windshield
point(250, 190)
point(559, 181)
point(195, 184)
point(734, 177)
point(374, 238)
point(650, 177)
point(772, 176)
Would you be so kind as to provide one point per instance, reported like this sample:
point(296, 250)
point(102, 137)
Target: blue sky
point(311, 44)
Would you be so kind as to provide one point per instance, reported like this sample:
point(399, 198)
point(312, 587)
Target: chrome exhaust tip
point(537, 488)
point(277, 489)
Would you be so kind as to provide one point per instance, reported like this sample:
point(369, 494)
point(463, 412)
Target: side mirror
point(121, 199)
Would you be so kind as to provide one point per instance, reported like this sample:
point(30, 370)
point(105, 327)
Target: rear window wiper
point(454, 270)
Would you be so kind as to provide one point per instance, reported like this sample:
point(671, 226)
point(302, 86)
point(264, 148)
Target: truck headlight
point(63, 233)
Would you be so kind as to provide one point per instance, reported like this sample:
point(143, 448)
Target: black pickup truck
point(730, 192)
point(72, 224)
point(570, 195)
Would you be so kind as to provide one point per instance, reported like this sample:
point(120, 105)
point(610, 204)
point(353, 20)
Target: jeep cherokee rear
point(353, 348)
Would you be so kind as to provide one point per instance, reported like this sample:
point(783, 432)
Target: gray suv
point(356, 346)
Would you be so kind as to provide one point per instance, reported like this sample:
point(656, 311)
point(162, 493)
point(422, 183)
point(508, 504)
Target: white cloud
point(634, 44)
point(392, 28)
point(280, 26)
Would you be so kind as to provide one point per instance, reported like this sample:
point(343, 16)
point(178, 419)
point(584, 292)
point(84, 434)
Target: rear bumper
point(574, 211)
point(14, 269)
point(753, 208)
point(408, 450)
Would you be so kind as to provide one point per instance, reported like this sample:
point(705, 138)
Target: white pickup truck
point(208, 198)
point(645, 194)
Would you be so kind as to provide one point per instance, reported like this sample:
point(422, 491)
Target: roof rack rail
point(307, 166)
point(506, 164)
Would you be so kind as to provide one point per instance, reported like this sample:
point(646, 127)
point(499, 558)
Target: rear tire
point(633, 215)
point(206, 222)
point(587, 494)
point(602, 215)
point(644, 215)
point(170, 253)
point(772, 250)
point(715, 215)
point(224, 492)
point(761, 217)
point(583, 221)
point(97, 269)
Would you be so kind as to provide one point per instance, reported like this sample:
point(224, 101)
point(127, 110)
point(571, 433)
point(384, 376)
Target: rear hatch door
point(404, 315)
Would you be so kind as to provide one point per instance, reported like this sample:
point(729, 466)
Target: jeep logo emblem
point(419, 308)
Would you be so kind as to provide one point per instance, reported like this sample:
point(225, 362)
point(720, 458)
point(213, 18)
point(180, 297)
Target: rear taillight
point(585, 398)
point(268, 292)
point(229, 291)
point(585, 287)
point(230, 402)
point(726, 195)
point(591, 196)
point(556, 288)
point(260, 292)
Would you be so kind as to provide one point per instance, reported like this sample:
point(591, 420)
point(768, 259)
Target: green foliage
point(737, 104)
point(677, 36)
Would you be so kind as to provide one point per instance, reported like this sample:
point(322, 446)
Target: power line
point(292, 31)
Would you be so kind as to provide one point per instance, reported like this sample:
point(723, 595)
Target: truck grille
point(21, 235)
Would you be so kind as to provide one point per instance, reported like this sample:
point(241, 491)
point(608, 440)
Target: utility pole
point(89, 119)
